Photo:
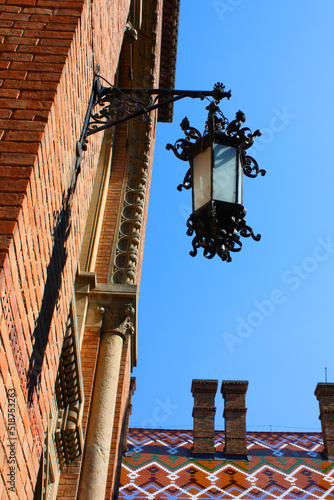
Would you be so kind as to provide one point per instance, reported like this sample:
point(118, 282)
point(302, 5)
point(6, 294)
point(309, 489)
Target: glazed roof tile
point(282, 465)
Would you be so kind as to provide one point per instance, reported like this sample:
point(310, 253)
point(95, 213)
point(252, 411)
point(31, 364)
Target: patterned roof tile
point(282, 465)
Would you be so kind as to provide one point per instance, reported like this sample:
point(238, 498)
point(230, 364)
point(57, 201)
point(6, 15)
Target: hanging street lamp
point(217, 158)
point(218, 161)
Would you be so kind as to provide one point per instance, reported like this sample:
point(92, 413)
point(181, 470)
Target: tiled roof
point(282, 465)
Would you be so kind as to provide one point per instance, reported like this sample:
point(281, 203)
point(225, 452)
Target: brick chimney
point(204, 392)
point(234, 393)
point(325, 395)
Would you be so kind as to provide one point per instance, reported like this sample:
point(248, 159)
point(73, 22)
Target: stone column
point(116, 325)
point(325, 395)
point(234, 393)
point(204, 392)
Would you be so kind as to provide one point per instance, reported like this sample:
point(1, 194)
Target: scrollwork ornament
point(182, 147)
point(247, 232)
point(244, 135)
point(220, 238)
point(215, 123)
point(251, 167)
point(191, 133)
point(230, 241)
point(196, 225)
point(187, 181)
point(112, 104)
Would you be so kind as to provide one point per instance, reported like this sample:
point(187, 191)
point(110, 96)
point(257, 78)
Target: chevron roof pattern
point(282, 465)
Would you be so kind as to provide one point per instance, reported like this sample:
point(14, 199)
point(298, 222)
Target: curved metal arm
point(112, 106)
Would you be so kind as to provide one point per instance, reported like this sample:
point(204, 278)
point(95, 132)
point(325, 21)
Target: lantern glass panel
point(202, 178)
point(227, 174)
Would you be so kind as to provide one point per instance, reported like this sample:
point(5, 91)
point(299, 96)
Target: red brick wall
point(48, 50)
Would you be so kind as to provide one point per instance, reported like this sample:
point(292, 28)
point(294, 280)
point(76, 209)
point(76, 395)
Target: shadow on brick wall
point(51, 296)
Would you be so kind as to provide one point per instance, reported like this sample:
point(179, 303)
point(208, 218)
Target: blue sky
point(275, 299)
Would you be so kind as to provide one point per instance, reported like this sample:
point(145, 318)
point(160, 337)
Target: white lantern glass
point(227, 174)
point(202, 178)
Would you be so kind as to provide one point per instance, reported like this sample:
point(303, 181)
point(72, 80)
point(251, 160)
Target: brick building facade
point(71, 237)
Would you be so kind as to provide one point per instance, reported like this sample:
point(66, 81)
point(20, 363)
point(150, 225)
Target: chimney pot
point(234, 393)
point(325, 395)
point(204, 392)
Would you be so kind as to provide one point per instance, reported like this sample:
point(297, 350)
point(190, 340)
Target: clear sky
point(266, 317)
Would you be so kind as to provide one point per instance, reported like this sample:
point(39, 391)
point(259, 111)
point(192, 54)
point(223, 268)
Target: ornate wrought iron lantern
point(217, 163)
point(217, 159)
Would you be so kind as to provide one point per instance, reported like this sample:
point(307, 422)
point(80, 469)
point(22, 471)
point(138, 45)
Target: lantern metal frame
point(217, 226)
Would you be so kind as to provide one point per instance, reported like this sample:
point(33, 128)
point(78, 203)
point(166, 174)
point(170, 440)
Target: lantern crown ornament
point(218, 161)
